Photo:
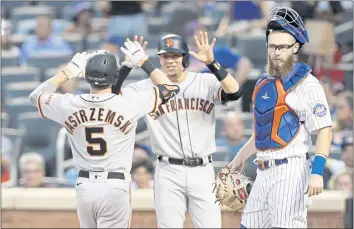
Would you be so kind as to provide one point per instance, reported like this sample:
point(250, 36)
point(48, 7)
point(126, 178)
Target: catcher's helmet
point(175, 44)
point(285, 18)
point(101, 69)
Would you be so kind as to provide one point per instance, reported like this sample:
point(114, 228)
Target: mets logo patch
point(319, 109)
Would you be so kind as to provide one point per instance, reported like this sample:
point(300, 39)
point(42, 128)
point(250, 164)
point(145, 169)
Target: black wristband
point(148, 67)
point(217, 70)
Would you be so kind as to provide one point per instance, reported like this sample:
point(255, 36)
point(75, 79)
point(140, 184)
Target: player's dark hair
point(146, 163)
point(100, 87)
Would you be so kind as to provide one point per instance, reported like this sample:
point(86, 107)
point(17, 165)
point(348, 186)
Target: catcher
point(232, 188)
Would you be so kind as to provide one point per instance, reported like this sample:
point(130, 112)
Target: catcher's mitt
point(232, 188)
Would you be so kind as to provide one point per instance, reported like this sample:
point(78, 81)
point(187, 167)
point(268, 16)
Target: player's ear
point(296, 48)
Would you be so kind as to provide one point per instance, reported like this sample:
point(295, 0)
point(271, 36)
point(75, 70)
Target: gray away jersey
point(185, 125)
point(101, 127)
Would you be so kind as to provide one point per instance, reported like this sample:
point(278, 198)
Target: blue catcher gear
point(287, 19)
point(276, 124)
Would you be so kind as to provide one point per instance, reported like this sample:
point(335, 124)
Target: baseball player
point(289, 104)
point(101, 129)
point(182, 133)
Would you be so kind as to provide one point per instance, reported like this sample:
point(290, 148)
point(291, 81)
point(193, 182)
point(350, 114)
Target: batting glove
point(134, 52)
point(76, 67)
point(128, 63)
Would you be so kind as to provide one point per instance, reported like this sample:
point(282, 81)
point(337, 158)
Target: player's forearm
point(227, 81)
point(323, 144)
point(324, 140)
point(230, 85)
point(50, 86)
point(156, 75)
point(247, 150)
point(123, 73)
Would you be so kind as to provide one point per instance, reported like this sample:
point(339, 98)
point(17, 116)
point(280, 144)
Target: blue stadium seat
point(29, 12)
point(20, 89)
point(5, 120)
point(9, 58)
point(41, 140)
point(19, 74)
point(49, 60)
point(7, 6)
point(254, 48)
point(16, 106)
point(28, 26)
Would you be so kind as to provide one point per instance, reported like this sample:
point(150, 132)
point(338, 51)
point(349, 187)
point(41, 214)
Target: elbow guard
point(167, 91)
point(230, 97)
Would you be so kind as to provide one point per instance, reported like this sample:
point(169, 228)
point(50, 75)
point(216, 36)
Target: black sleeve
point(225, 97)
point(122, 75)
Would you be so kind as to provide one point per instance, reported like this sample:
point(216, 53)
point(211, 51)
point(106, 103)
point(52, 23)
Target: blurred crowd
point(38, 38)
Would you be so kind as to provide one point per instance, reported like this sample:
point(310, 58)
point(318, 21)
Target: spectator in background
point(223, 54)
point(142, 175)
point(6, 149)
point(112, 44)
point(32, 170)
point(346, 162)
point(126, 18)
point(82, 20)
point(43, 41)
point(234, 139)
point(342, 181)
point(141, 152)
point(344, 112)
point(6, 42)
point(244, 17)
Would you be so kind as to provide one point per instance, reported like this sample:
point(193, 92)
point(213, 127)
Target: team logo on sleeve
point(319, 109)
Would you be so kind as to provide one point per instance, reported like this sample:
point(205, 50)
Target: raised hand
point(134, 51)
point(204, 49)
point(128, 62)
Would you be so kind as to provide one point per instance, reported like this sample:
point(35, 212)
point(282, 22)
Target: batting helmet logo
point(169, 42)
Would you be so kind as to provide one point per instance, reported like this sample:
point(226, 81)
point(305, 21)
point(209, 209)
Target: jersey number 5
point(89, 131)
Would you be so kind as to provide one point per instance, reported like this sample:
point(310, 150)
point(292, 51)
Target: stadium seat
point(19, 74)
point(218, 127)
point(5, 120)
point(254, 48)
point(251, 168)
point(41, 140)
point(156, 25)
point(49, 60)
point(20, 89)
point(7, 6)
point(222, 154)
point(28, 26)
point(9, 58)
point(27, 12)
point(16, 106)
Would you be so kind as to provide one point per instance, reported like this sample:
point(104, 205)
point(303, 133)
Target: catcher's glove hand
point(232, 188)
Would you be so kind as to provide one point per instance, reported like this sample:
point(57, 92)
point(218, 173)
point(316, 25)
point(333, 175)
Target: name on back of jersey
point(174, 105)
point(98, 115)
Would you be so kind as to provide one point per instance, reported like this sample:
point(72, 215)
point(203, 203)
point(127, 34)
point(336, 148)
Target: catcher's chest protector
point(276, 124)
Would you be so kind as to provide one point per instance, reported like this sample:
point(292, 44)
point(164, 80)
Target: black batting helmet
point(173, 43)
point(101, 69)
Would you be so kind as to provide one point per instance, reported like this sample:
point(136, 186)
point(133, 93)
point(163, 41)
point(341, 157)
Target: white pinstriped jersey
point(309, 102)
point(185, 125)
point(101, 127)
